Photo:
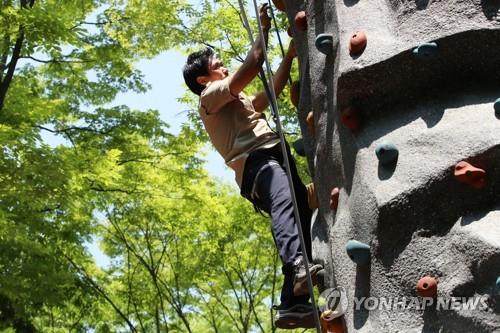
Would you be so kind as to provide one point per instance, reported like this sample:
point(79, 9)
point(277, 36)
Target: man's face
point(216, 71)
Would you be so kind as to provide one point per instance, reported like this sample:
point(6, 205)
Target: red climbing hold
point(469, 174)
point(289, 32)
point(427, 287)
point(310, 124)
point(295, 93)
point(301, 21)
point(280, 4)
point(357, 43)
point(334, 198)
point(335, 325)
point(350, 118)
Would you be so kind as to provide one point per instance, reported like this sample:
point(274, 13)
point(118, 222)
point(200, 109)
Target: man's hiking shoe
point(300, 278)
point(295, 316)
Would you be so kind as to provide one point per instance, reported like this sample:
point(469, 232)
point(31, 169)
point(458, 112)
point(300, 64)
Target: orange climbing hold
point(350, 118)
point(427, 287)
point(312, 197)
point(301, 21)
point(310, 124)
point(335, 325)
point(295, 93)
point(357, 43)
point(469, 174)
point(334, 198)
point(280, 4)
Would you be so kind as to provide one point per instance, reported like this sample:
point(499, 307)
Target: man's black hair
point(197, 65)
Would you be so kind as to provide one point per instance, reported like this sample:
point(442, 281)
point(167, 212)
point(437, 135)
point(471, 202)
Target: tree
point(119, 175)
point(56, 66)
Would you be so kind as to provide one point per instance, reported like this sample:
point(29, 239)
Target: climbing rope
point(250, 36)
point(262, 75)
point(274, 108)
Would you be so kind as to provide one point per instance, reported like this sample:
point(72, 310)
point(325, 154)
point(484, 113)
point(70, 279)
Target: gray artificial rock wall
point(438, 110)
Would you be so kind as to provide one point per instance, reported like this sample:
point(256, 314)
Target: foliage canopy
point(187, 253)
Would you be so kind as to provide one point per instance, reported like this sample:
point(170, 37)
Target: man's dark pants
point(271, 193)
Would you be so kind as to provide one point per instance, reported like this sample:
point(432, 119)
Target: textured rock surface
point(416, 217)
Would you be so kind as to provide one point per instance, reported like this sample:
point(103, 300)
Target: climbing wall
point(400, 113)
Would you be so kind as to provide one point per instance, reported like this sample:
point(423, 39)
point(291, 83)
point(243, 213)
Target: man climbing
point(240, 133)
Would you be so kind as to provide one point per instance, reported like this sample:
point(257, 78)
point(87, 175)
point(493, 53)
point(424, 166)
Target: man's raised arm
point(260, 101)
point(255, 58)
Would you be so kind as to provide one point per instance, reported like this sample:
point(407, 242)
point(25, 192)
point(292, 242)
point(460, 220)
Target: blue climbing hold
point(498, 284)
point(358, 252)
point(298, 145)
point(426, 50)
point(497, 108)
point(387, 152)
point(324, 43)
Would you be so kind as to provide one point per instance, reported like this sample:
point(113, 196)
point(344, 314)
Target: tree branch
point(99, 188)
point(177, 298)
point(154, 275)
point(131, 272)
point(78, 320)
point(252, 296)
point(100, 291)
point(70, 138)
point(5, 55)
point(121, 236)
point(222, 303)
point(57, 61)
point(213, 320)
point(5, 84)
point(235, 292)
point(89, 23)
point(240, 59)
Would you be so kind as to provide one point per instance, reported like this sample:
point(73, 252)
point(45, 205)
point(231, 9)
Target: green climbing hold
point(498, 284)
point(387, 153)
point(496, 105)
point(358, 252)
point(426, 50)
point(324, 43)
point(298, 145)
